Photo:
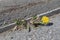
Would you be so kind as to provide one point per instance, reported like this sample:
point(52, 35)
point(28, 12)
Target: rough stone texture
point(10, 11)
point(39, 33)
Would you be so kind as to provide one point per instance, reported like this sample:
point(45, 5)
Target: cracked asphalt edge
point(48, 13)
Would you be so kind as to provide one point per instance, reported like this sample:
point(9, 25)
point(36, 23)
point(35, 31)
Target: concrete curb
point(48, 13)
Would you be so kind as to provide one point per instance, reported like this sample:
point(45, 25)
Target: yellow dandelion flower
point(45, 20)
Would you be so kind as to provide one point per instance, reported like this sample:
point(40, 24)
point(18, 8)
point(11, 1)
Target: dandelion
point(45, 20)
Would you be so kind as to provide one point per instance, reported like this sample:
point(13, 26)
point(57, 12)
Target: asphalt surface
point(11, 9)
point(39, 33)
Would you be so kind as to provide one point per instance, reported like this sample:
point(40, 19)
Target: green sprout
point(21, 22)
point(18, 22)
point(34, 17)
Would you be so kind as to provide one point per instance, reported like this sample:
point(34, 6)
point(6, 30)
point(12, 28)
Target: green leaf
point(18, 22)
point(34, 17)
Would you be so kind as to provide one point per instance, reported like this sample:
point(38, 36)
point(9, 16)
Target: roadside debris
point(36, 21)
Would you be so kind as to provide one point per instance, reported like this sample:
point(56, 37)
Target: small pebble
point(11, 37)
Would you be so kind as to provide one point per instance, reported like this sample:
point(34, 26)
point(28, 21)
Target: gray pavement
point(39, 33)
point(8, 14)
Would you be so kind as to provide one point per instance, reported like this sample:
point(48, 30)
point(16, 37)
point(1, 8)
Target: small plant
point(35, 21)
point(21, 23)
point(34, 17)
point(18, 22)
